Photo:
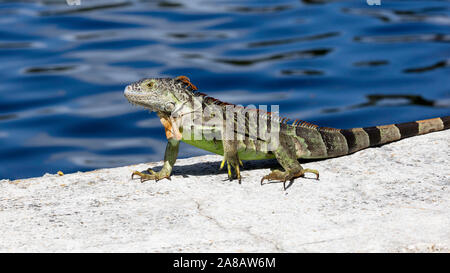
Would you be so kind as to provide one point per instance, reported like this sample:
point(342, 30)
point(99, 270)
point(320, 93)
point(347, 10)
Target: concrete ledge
point(395, 198)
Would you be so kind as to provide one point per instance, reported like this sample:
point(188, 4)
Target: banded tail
point(378, 135)
point(338, 142)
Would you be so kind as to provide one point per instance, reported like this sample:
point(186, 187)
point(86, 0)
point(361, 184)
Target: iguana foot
point(278, 175)
point(152, 175)
point(232, 162)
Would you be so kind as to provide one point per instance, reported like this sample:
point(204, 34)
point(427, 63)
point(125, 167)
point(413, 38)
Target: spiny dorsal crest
point(283, 120)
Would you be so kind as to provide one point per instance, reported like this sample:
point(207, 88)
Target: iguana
point(174, 98)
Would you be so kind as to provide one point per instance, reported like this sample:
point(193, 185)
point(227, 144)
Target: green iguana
point(175, 98)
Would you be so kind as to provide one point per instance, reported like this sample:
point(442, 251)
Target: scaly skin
point(173, 99)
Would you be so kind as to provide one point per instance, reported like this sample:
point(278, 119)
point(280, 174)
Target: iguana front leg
point(285, 155)
point(230, 156)
point(170, 156)
point(169, 160)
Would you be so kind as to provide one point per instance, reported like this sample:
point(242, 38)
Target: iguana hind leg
point(285, 155)
point(169, 160)
point(285, 176)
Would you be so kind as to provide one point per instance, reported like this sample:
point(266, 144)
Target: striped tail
point(360, 138)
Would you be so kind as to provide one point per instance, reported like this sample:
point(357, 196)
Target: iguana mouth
point(132, 94)
point(136, 97)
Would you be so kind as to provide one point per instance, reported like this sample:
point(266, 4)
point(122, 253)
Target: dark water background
point(334, 63)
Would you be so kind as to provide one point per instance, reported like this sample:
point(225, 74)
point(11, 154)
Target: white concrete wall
point(394, 198)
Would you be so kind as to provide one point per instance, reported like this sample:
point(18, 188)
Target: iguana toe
point(152, 175)
point(232, 164)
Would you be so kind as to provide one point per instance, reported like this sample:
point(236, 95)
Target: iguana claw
point(235, 166)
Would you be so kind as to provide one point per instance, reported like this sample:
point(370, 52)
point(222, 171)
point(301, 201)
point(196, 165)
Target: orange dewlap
point(171, 131)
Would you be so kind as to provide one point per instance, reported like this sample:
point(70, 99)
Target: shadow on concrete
point(212, 167)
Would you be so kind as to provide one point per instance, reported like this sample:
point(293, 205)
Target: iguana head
point(162, 95)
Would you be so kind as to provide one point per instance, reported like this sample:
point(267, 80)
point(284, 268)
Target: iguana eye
point(150, 84)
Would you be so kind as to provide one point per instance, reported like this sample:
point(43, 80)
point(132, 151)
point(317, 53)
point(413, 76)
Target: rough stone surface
point(394, 198)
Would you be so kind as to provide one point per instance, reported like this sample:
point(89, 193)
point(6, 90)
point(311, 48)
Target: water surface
point(334, 63)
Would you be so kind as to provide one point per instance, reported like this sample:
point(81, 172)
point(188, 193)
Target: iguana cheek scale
point(299, 139)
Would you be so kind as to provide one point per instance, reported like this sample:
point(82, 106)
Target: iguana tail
point(338, 142)
point(360, 138)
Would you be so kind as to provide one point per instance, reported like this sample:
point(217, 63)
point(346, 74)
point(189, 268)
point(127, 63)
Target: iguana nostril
point(127, 89)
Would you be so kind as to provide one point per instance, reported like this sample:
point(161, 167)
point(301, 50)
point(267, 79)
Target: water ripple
point(437, 37)
point(82, 8)
point(293, 40)
point(440, 64)
point(312, 53)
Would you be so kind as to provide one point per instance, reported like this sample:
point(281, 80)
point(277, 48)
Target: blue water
point(334, 63)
